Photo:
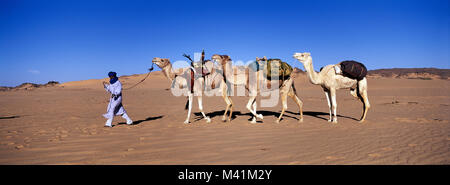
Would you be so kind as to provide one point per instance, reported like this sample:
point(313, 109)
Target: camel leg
point(362, 88)
point(251, 101)
point(231, 108)
point(254, 106)
point(284, 105)
point(224, 117)
point(253, 119)
point(327, 94)
point(226, 98)
point(260, 116)
point(333, 104)
point(190, 98)
point(254, 109)
point(200, 106)
point(363, 109)
point(366, 106)
point(249, 107)
point(298, 102)
point(284, 91)
point(229, 102)
point(252, 93)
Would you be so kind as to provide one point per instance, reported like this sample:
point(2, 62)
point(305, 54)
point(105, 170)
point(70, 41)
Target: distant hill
point(411, 73)
point(405, 73)
point(29, 86)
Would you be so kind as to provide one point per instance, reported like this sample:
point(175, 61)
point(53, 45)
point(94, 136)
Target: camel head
point(222, 59)
point(302, 57)
point(161, 62)
point(261, 60)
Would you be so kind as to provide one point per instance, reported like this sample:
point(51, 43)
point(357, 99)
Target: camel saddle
point(353, 69)
point(272, 68)
point(197, 71)
point(276, 68)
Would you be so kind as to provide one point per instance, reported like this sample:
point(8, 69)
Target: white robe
point(115, 107)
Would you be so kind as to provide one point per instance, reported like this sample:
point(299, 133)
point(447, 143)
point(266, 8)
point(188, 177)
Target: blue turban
point(114, 77)
point(113, 74)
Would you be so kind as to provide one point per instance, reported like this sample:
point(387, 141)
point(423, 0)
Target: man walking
point(115, 107)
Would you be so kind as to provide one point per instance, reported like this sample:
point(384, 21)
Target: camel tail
point(357, 85)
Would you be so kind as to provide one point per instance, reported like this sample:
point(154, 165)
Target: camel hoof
point(329, 120)
point(361, 121)
point(335, 122)
point(186, 122)
point(260, 116)
point(300, 120)
point(277, 121)
point(253, 120)
point(224, 119)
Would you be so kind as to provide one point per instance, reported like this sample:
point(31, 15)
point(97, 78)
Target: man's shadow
point(143, 120)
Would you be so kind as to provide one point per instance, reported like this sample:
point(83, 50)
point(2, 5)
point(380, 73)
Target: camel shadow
point(315, 114)
point(319, 114)
point(143, 120)
point(199, 115)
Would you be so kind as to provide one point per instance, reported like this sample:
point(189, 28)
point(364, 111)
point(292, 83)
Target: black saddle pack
point(353, 69)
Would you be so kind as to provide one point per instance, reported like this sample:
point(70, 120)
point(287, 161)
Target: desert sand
point(408, 123)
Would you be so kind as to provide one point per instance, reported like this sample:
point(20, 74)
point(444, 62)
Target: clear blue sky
point(67, 40)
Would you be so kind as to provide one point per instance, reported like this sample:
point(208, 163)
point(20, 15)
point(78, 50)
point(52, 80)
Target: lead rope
point(148, 74)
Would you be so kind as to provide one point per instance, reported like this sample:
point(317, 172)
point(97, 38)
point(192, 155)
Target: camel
point(330, 81)
point(182, 80)
point(252, 80)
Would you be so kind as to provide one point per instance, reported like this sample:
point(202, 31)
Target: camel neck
point(168, 72)
point(312, 75)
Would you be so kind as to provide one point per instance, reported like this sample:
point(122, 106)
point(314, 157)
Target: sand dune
point(408, 124)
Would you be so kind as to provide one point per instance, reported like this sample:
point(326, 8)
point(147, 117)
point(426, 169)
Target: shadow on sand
point(270, 113)
point(143, 120)
point(319, 114)
point(9, 117)
point(239, 113)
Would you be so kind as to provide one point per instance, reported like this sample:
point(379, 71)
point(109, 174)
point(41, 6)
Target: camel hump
point(353, 69)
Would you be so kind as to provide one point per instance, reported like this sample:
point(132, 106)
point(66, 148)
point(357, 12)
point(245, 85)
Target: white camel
point(182, 80)
point(253, 80)
point(330, 81)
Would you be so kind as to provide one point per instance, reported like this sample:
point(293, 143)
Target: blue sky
point(65, 40)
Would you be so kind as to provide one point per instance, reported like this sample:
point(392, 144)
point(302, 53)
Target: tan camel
point(330, 81)
point(182, 80)
point(253, 80)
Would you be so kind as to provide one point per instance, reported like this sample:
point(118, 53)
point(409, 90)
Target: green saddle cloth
point(273, 68)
